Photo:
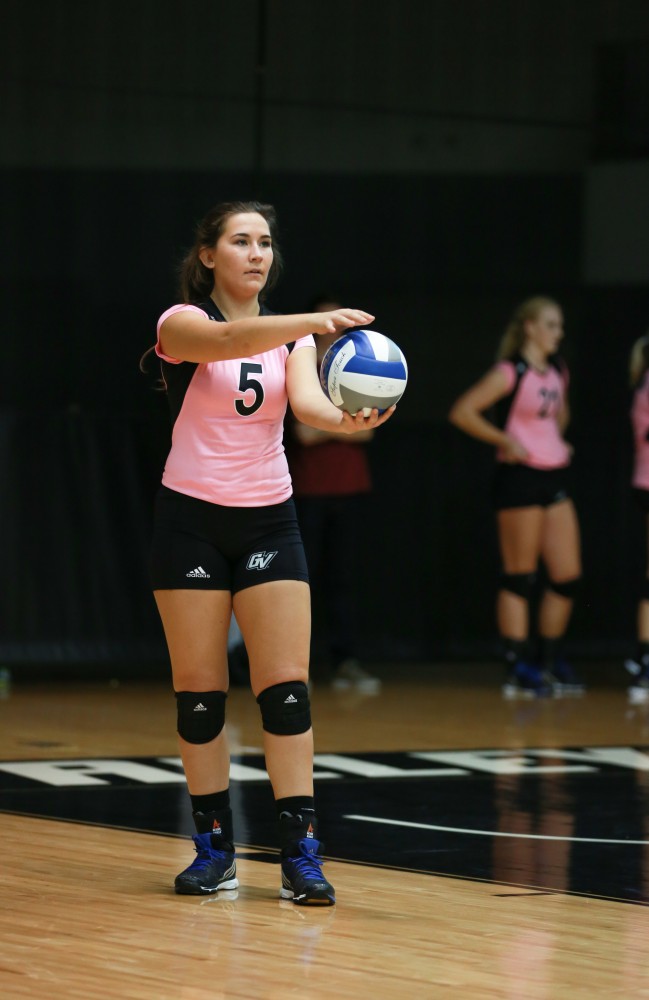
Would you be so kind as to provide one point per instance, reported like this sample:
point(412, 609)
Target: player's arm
point(188, 336)
point(467, 413)
point(311, 406)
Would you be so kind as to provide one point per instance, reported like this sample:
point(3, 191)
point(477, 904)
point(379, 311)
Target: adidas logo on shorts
point(199, 572)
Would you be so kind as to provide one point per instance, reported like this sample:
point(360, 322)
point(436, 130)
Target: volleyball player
point(536, 518)
point(638, 666)
point(226, 537)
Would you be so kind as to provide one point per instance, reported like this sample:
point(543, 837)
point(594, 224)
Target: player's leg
point(275, 619)
point(519, 536)
point(638, 665)
point(312, 519)
point(561, 554)
point(341, 580)
point(191, 583)
point(196, 628)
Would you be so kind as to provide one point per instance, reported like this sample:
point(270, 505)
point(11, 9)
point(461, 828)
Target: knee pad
point(201, 715)
point(520, 584)
point(566, 588)
point(285, 708)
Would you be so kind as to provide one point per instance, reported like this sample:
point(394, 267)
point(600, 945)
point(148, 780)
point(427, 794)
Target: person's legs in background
point(638, 665)
point(330, 527)
point(561, 555)
point(343, 583)
point(519, 534)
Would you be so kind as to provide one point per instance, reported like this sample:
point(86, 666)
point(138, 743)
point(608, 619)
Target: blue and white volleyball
point(362, 370)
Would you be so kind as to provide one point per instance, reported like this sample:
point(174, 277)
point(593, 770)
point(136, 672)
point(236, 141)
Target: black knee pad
point(566, 588)
point(520, 584)
point(285, 708)
point(201, 715)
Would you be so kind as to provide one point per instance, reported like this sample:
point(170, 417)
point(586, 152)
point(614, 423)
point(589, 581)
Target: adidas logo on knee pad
point(285, 708)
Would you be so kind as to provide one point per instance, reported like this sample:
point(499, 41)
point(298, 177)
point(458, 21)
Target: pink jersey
point(640, 424)
point(226, 444)
point(530, 413)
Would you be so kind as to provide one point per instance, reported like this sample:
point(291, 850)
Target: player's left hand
point(352, 424)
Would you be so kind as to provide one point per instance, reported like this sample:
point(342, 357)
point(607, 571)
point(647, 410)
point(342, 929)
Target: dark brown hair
point(197, 281)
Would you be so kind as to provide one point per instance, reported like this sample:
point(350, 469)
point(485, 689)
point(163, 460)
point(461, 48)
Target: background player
point(331, 481)
point(535, 515)
point(226, 535)
point(639, 376)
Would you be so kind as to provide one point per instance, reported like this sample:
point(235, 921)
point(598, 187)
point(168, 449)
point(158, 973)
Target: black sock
point(642, 654)
point(295, 805)
point(548, 649)
point(212, 814)
point(513, 650)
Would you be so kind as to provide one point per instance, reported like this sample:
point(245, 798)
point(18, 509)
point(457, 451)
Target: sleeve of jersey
point(183, 307)
point(509, 371)
point(307, 341)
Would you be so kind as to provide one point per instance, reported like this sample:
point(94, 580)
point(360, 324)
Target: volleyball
point(364, 369)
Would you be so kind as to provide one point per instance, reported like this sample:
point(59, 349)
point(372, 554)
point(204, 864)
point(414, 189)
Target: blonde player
point(537, 522)
point(639, 376)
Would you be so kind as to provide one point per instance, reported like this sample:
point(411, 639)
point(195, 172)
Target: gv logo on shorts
point(260, 560)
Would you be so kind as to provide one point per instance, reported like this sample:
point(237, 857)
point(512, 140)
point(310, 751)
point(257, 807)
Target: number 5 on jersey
point(247, 384)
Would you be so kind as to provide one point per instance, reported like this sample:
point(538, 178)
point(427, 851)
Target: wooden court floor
point(88, 909)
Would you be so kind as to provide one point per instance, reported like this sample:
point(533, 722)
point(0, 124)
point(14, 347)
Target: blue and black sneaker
point(302, 878)
point(213, 868)
point(526, 680)
point(639, 687)
point(564, 680)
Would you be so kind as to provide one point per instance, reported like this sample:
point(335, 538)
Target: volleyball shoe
point(301, 863)
point(213, 868)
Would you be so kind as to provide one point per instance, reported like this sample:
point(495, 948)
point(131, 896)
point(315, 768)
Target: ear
point(206, 257)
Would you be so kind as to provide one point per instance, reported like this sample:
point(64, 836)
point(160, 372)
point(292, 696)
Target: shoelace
point(205, 856)
point(308, 866)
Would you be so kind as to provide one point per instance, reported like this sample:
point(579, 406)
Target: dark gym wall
point(434, 163)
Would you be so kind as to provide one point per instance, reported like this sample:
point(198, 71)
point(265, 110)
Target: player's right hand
point(339, 320)
point(513, 452)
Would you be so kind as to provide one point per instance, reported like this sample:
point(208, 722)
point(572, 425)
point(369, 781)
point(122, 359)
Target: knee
point(520, 584)
point(565, 588)
point(285, 708)
point(201, 715)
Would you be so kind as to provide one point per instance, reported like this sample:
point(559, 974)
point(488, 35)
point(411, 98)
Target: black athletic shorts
point(199, 545)
point(522, 486)
point(641, 498)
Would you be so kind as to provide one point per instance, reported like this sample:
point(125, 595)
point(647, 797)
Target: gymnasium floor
point(479, 847)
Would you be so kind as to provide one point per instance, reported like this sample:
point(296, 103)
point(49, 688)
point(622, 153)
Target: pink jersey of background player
point(640, 424)
point(531, 415)
point(226, 444)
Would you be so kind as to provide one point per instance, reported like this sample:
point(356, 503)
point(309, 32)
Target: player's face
point(546, 331)
point(243, 255)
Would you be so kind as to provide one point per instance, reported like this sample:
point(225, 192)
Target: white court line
point(490, 833)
